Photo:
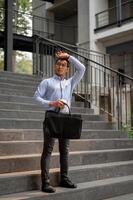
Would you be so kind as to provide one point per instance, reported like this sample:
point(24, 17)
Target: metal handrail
point(106, 10)
point(81, 48)
point(105, 67)
point(114, 7)
point(104, 19)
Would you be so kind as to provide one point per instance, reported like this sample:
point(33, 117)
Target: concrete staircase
point(101, 162)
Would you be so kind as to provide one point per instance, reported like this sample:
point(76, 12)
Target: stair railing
point(88, 53)
point(106, 90)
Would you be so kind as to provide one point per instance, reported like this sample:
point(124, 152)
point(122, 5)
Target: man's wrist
point(68, 56)
point(50, 103)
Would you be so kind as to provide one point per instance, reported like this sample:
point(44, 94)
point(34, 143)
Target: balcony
point(115, 15)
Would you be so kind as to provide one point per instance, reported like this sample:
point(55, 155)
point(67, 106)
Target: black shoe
point(67, 183)
point(47, 188)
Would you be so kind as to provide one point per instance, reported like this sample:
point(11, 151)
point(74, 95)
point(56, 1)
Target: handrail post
point(119, 12)
point(131, 100)
point(35, 55)
point(8, 34)
point(86, 83)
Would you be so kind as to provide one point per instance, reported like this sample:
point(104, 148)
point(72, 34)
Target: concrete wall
point(83, 23)
point(96, 7)
point(87, 23)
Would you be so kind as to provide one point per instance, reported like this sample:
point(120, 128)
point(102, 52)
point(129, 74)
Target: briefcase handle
point(65, 105)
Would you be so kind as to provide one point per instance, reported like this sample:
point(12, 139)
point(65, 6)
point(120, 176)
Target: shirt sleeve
point(40, 93)
point(80, 70)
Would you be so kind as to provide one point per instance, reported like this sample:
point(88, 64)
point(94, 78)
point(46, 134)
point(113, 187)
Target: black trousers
point(46, 156)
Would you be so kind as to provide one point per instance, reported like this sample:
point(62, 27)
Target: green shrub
point(128, 129)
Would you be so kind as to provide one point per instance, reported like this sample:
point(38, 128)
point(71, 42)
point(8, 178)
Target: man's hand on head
point(61, 54)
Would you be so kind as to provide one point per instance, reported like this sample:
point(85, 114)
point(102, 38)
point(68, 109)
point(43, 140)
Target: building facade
point(103, 26)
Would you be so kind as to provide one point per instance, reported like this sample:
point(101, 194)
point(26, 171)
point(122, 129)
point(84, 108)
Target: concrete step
point(38, 124)
point(18, 81)
point(16, 99)
point(122, 197)
point(9, 91)
point(18, 87)
point(37, 107)
point(37, 134)
point(8, 75)
point(34, 147)
point(20, 134)
point(93, 190)
point(23, 114)
point(85, 173)
point(98, 125)
point(20, 163)
point(75, 145)
point(28, 100)
point(21, 106)
point(93, 134)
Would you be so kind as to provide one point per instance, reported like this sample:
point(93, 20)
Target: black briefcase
point(63, 125)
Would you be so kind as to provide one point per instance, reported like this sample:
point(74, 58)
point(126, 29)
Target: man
point(51, 93)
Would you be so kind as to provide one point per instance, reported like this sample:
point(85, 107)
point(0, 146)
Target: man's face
point(61, 68)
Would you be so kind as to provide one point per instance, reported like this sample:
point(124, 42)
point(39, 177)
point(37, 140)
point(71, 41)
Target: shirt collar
point(58, 77)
